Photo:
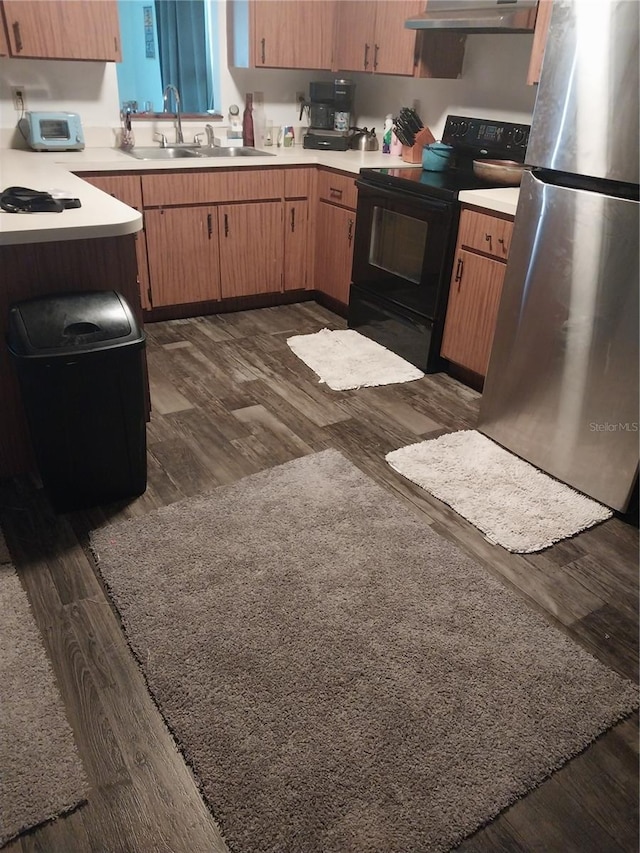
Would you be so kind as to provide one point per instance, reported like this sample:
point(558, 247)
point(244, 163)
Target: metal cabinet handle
point(459, 271)
point(209, 225)
point(226, 225)
point(350, 231)
point(115, 45)
point(334, 192)
point(375, 57)
point(263, 44)
point(293, 219)
point(17, 37)
point(366, 57)
point(487, 239)
point(501, 241)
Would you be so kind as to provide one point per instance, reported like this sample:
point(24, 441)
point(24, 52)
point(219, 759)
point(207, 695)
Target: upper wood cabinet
point(60, 29)
point(281, 33)
point(539, 41)
point(370, 36)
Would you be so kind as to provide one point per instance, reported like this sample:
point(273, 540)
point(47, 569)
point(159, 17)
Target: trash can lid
point(72, 323)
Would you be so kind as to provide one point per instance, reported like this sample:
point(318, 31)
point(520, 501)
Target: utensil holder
point(413, 153)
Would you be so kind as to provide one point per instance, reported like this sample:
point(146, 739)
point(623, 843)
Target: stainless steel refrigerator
point(562, 384)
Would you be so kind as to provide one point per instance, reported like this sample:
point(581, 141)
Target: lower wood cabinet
point(184, 254)
point(335, 231)
point(476, 286)
point(251, 248)
point(298, 255)
point(127, 188)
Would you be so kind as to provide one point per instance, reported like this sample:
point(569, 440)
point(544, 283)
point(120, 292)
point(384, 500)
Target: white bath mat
point(345, 359)
point(514, 504)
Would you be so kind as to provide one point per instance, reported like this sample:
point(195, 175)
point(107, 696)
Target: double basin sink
point(180, 152)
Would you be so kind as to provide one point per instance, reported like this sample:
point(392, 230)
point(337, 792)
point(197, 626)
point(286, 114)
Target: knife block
point(413, 153)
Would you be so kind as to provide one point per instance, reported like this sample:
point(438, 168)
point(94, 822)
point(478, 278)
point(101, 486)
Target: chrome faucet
point(210, 135)
point(165, 99)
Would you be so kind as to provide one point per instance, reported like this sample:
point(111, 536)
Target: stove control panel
point(487, 137)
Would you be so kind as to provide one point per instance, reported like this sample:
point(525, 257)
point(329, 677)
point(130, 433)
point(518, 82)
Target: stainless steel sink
point(169, 153)
point(179, 152)
point(234, 151)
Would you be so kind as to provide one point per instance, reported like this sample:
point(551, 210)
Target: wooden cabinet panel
point(251, 248)
point(4, 42)
point(539, 41)
point(184, 261)
point(298, 183)
point(335, 229)
point(208, 187)
point(291, 33)
point(59, 29)
point(337, 188)
point(485, 233)
point(296, 245)
point(128, 189)
point(371, 36)
point(472, 310)
point(395, 45)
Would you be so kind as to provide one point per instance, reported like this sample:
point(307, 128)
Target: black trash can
point(80, 365)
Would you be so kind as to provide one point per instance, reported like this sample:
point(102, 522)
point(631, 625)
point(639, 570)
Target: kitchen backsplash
point(492, 85)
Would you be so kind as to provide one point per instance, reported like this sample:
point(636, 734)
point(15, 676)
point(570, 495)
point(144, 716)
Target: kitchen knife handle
point(375, 56)
point(263, 53)
point(366, 56)
point(17, 37)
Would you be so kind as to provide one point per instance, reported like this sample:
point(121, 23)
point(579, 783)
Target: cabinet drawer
point(337, 188)
point(298, 183)
point(212, 186)
point(485, 233)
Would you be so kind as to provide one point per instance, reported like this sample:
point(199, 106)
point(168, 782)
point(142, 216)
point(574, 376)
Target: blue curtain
point(182, 45)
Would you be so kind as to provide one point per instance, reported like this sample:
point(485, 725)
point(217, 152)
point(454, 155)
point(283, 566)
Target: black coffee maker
point(330, 106)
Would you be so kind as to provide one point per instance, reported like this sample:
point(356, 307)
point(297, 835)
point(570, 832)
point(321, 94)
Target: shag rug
point(345, 359)
point(340, 678)
point(41, 776)
point(513, 503)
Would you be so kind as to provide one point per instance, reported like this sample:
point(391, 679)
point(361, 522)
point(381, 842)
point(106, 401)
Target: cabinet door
point(184, 259)
point(471, 313)
point(334, 250)
point(59, 29)
point(251, 247)
point(292, 33)
point(354, 44)
point(127, 188)
point(296, 245)
point(394, 47)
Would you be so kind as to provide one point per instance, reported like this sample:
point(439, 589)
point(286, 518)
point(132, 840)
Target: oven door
point(404, 246)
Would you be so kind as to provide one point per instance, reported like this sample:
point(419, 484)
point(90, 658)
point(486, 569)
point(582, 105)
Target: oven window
point(398, 244)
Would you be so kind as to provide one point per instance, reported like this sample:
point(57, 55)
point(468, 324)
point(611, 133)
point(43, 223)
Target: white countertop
point(501, 200)
point(101, 215)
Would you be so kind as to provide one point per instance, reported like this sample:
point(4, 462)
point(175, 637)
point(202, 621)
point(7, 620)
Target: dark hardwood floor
point(229, 398)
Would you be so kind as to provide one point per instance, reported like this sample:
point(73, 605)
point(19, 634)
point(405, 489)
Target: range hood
point(477, 16)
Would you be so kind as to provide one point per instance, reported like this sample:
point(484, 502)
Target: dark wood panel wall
point(43, 269)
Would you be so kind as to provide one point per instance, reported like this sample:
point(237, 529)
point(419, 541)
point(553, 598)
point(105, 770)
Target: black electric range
point(406, 228)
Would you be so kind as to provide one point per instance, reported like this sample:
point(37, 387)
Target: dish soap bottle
point(248, 139)
point(387, 133)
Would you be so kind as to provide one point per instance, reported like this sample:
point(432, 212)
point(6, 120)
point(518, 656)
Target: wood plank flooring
point(229, 399)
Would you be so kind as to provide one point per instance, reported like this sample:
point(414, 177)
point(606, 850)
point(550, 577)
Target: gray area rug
point(342, 679)
point(513, 503)
point(41, 776)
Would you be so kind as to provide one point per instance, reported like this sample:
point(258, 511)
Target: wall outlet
point(19, 96)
